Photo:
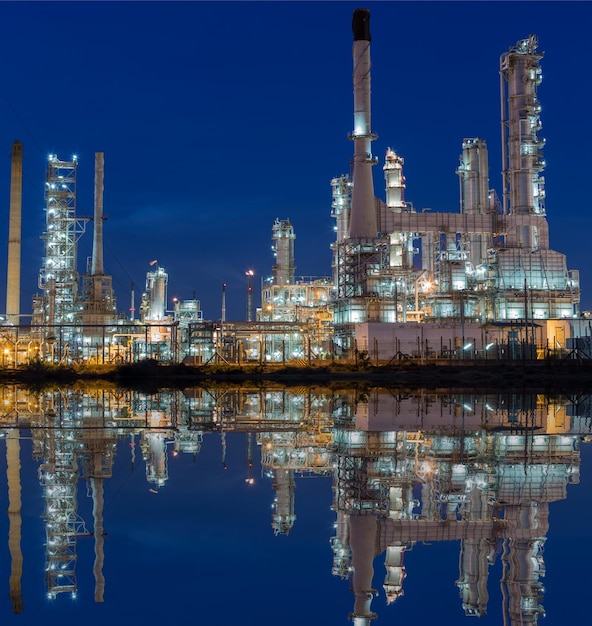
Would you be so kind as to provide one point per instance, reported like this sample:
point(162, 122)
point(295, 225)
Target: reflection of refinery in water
point(477, 469)
point(479, 283)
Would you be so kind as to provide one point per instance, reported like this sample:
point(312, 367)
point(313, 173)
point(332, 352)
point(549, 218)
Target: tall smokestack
point(97, 268)
point(13, 272)
point(363, 216)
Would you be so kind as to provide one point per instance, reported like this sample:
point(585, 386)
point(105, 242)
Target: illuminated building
point(405, 282)
point(489, 263)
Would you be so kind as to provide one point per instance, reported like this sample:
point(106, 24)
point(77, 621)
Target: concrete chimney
point(13, 273)
point(97, 268)
point(363, 215)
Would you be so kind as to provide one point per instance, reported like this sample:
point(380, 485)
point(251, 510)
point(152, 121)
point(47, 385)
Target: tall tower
point(249, 296)
point(58, 277)
point(473, 172)
point(283, 247)
point(13, 272)
point(97, 300)
point(155, 298)
point(523, 163)
point(363, 215)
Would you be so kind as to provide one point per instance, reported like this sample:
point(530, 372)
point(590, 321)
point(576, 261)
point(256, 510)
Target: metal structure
point(58, 277)
point(487, 267)
point(491, 262)
point(249, 296)
point(283, 250)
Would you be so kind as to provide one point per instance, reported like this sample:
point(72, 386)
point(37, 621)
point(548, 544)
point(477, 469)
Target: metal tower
point(283, 236)
point(58, 475)
point(58, 277)
point(250, 303)
point(520, 76)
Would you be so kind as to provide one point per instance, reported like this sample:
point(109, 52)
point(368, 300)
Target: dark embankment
point(568, 376)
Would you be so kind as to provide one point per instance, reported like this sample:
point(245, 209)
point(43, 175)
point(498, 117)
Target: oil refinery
point(404, 283)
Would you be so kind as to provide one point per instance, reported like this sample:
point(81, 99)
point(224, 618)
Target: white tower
point(283, 247)
point(520, 76)
point(363, 214)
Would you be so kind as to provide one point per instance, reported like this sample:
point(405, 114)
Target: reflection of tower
point(58, 475)
point(13, 270)
point(279, 458)
point(523, 564)
point(154, 452)
point(283, 506)
point(13, 467)
point(98, 442)
point(283, 247)
point(475, 554)
point(154, 444)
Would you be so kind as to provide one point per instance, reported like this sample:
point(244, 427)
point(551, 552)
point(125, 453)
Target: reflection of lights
point(489, 345)
point(250, 481)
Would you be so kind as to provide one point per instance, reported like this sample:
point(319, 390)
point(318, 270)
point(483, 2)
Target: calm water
point(264, 506)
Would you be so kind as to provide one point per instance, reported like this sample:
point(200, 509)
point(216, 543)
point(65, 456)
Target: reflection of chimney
point(97, 268)
point(97, 496)
point(362, 540)
point(363, 215)
point(13, 469)
point(13, 273)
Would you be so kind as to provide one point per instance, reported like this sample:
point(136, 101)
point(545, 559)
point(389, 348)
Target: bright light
point(489, 345)
point(467, 346)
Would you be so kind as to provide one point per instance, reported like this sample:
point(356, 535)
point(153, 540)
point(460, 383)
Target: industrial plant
point(404, 283)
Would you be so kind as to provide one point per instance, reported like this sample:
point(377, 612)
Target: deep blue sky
point(217, 117)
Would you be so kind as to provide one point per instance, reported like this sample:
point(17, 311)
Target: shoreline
point(550, 376)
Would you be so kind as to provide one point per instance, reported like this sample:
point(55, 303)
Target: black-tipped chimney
point(361, 25)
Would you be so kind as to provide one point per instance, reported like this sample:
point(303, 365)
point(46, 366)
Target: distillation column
point(58, 277)
point(520, 75)
point(401, 251)
point(473, 172)
point(282, 235)
point(13, 271)
point(363, 215)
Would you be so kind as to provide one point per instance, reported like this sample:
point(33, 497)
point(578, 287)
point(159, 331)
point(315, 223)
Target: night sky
point(218, 117)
